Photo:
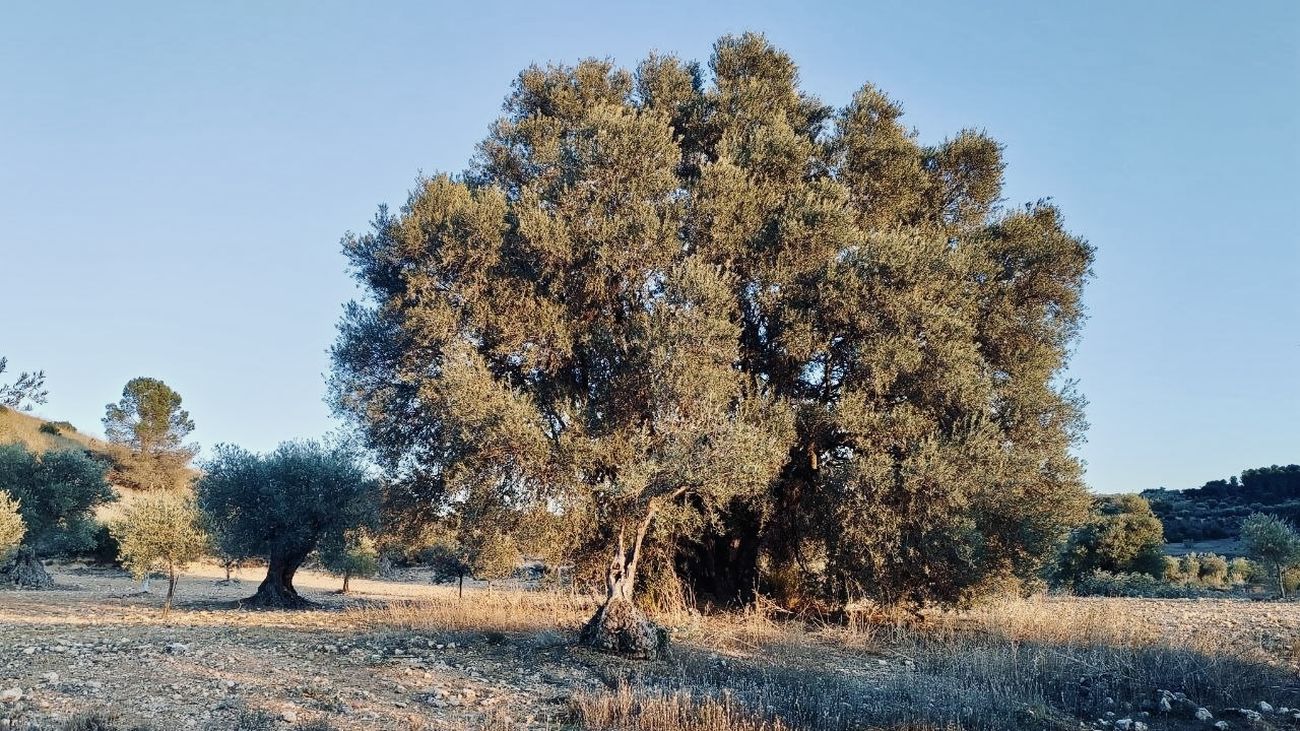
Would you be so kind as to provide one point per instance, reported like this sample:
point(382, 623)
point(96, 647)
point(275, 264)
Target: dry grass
point(16, 426)
point(626, 709)
point(479, 610)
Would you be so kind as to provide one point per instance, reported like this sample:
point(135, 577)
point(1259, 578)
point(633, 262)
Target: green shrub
point(12, 527)
point(106, 547)
point(1214, 570)
point(1133, 585)
point(49, 428)
point(1241, 571)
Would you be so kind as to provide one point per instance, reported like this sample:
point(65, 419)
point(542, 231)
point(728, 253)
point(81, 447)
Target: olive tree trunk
point(171, 590)
point(276, 590)
point(25, 571)
point(619, 626)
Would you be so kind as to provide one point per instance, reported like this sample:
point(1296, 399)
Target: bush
point(1122, 536)
point(1241, 571)
point(106, 547)
point(1133, 585)
point(1214, 570)
point(12, 528)
point(49, 428)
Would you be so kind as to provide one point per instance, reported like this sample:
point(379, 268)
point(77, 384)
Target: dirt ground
point(94, 642)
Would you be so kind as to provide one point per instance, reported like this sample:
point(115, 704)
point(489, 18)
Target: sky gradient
point(175, 179)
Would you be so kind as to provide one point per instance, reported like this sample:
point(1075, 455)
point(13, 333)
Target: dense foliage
point(754, 340)
point(280, 505)
point(147, 430)
point(1123, 536)
point(56, 493)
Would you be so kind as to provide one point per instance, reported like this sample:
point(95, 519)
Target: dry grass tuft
point(624, 709)
point(478, 611)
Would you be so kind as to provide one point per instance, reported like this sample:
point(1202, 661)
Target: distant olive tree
point(280, 506)
point(161, 532)
point(147, 430)
point(1272, 542)
point(352, 553)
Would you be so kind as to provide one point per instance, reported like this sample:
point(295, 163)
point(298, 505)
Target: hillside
point(16, 426)
point(1214, 510)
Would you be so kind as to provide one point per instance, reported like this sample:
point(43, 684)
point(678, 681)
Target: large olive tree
point(279, 506)
point(788, 345)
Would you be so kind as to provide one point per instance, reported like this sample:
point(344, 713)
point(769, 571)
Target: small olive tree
point(352, 553)
point(1273, 542)
point(162, 532)
point(281, 505)
point(12, 528)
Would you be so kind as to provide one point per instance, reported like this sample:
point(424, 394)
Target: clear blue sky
point(175, 177)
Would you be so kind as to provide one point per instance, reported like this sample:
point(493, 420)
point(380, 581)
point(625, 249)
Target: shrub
point(48, 428)
point(1214, 570)
point(1133, 585)
point(12, 528)
point(106, 547)
point(1241, 571)
point(1122, 536)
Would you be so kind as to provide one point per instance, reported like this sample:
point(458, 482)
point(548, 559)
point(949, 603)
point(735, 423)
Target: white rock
point(289, 715)
point(1165, 706)
point(177, 648)
point(12, 695)
point(1264, 707)
point(1203, 714)
point(1221, 724)
point(51, 677)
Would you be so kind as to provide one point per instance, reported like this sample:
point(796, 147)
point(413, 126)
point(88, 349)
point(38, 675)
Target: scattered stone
point(178, 648)
point(11, 695)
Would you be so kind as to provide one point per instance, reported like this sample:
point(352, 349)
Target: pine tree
point(147, 429)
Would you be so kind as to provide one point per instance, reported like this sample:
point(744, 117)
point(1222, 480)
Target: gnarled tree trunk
point(276, 590)
point(619, 626)
point(25, 571)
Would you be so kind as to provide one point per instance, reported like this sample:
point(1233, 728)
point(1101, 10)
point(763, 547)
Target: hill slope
point(16, 426)
point(1214, 510)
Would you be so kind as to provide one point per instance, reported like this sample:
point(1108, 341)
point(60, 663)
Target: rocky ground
point(95, 643)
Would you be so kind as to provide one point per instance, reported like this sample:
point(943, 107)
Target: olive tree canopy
point(787, 346)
